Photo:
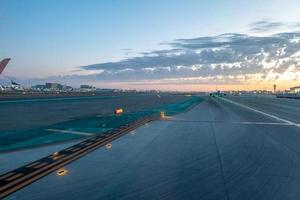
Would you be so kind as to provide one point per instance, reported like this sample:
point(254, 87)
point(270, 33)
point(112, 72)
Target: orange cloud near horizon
point(193, 87)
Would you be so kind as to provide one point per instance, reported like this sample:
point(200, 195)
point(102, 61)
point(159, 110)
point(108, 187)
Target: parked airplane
point(6, 86)
point(3, 64)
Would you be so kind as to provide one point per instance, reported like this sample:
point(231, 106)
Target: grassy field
point(32, 122)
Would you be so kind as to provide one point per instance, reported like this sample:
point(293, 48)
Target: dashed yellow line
point(68, 149)
point(32, 164)
point(76, 149)
point(7, 175)
point(14, 177)
point(54, 157)
point(40, 165)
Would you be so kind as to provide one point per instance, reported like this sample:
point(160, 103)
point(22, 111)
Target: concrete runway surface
point(217, 150)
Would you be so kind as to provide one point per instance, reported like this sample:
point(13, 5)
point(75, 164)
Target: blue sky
point(52, 38)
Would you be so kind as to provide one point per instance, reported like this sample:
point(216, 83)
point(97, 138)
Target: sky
point(189, 45)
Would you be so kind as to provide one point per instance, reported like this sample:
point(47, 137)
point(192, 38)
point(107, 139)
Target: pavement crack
point(219, 157)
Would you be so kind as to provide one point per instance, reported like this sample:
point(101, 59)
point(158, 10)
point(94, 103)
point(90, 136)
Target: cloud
point(230, 58)
point(227, 54)
point(295, 25)
point(265, 26)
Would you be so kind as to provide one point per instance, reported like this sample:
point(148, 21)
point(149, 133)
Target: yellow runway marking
point(40, 165)
point(68, 149)
point(76, 149)
point(7, 175)
point(53, 157)
point(31, 165)
point(14, 177)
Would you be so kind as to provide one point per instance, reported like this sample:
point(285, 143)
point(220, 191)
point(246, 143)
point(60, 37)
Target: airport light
point(162, 114)
point(61, 172)
point(118, 111)
point(108, 146)
point(55, 156)
point(132, 132)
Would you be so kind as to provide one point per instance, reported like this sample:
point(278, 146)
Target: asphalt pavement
point(217, 150)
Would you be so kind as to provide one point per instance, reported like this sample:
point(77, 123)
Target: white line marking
point(263, 113)
point(72, 132)
point(231, 122)
point(264, 123)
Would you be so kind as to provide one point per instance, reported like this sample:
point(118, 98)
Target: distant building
point(87, 87)
point(38, 87)
point(53, 86)
point(295, 90)
point(67, 88)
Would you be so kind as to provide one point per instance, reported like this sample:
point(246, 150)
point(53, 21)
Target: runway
point(23, 176)
point(217, 150)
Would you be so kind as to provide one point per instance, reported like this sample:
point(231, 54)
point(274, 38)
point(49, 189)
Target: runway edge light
point(62, 172)
point(118, 111)
point(162, 114)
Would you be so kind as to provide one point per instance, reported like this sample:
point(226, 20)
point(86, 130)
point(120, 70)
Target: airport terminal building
point(295, 90)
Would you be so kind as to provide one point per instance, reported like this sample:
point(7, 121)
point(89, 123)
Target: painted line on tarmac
point(72, 132)
point(261, 112)
point(231, 122)
point(56, 99)
point(264, 123)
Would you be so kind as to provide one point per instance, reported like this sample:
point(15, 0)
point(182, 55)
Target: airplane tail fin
point(3, 64)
